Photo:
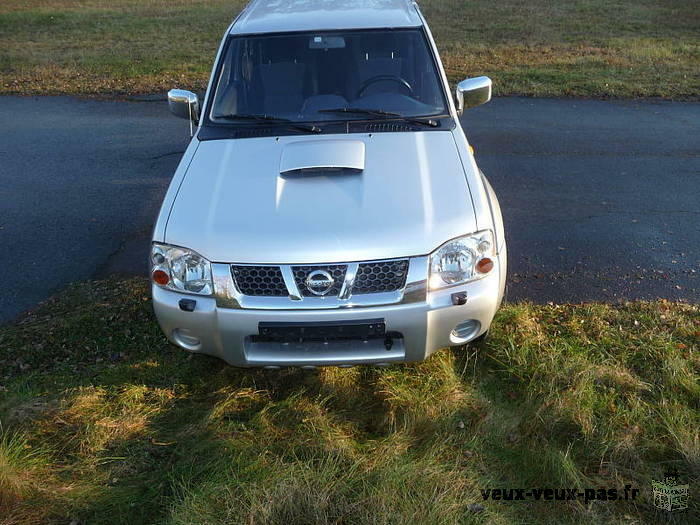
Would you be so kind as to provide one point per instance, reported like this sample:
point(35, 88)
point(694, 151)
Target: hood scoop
point(323, 156)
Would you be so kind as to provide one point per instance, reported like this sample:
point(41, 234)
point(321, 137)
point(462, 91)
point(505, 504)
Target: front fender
point(499, 233)
point(496, 217)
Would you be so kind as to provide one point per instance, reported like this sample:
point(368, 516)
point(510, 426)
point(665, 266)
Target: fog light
point(186, 339)
point(465, 331)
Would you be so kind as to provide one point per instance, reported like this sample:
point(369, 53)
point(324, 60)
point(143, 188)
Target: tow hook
point(459, 298)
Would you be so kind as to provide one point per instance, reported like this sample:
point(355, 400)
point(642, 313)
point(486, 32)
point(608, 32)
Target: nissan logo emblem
point(319, 282)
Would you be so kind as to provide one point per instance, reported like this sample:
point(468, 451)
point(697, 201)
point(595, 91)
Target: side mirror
point(184, 104)
point(473, 92)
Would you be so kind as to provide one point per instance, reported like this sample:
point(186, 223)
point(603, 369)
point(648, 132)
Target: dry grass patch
point(92, 419)
point(19, 464)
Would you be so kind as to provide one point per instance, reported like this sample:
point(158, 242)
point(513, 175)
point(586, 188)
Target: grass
point(598, 48)
point(102, 421)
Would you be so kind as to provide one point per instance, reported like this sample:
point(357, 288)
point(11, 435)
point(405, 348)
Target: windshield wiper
point(272, 119)
point(381, 113)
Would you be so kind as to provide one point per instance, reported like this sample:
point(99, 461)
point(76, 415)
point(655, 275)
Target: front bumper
point(425, 326)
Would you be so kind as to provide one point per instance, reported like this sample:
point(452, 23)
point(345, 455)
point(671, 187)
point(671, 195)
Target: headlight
point(180, 269)
point(461, 260)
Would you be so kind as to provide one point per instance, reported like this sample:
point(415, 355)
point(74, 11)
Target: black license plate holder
point(321, 331)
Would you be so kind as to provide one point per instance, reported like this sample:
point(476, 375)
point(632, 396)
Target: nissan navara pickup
point(328, 210)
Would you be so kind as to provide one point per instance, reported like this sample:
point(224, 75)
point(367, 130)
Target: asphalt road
point(601, 199)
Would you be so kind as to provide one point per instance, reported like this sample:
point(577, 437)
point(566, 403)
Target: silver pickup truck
point(328, 210)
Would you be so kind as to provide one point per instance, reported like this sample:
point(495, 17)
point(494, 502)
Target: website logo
point(670, 494)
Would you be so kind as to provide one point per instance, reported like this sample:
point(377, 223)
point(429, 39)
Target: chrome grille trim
point(290, 281)
point(350, 273)
point(225, 290)
point(228, 295)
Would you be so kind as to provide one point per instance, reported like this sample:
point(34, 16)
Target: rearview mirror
point(184, 104)
point(473, 92)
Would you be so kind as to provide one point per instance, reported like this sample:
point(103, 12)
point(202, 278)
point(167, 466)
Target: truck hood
point(292, 200)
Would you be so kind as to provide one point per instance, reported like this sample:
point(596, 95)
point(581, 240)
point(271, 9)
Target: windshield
point(315, 76)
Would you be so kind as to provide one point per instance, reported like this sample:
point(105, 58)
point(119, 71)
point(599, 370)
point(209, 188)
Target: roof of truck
point(278, 16)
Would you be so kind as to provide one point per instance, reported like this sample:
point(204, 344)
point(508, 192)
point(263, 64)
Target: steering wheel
point(382, 78)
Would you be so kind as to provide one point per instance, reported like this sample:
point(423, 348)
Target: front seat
point(281, 85)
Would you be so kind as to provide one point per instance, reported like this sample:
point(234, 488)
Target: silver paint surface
point(234, 205)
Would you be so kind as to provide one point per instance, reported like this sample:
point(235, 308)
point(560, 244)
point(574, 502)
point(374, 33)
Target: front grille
point(382, 276)
point(373, 277)
point(337, 271)
point(259, 280)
